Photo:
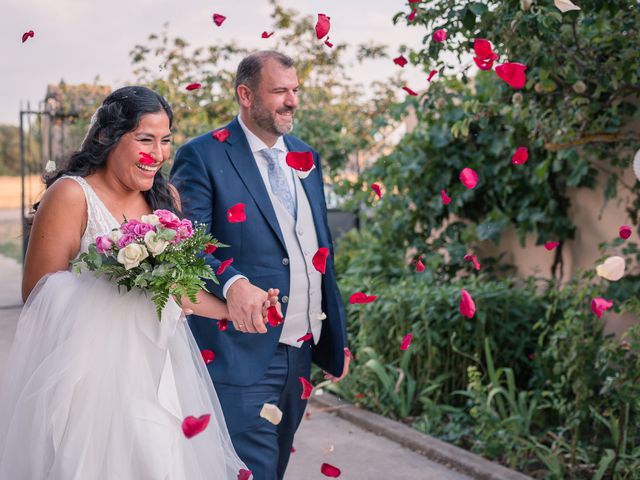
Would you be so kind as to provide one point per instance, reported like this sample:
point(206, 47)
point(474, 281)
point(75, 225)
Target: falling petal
point(410, 92)
point(467, 305)
point(218, 19)
point(432, 74)
point(221, 135)
point(469, 178)
point(512, 73)
point(192, 426)
point(483, 64)
point(521, 156)
point(236, 214)
point(600, 305)
point(223, 325)
point(406, 342)
point(271, 413)
point(27, 35)
point(565, 5)
point(322, 316)
point(473, 259)
point(361, 298)
point(412, 16)
point(329, 470)
point(300, 161)
point(328, 43)
point(440, 35)
point(305, 337)
point(419, 265)
point(193, 86)
point(273, 317)
point(400, 61)
point(322, 25)
point(145, 158)
point(293, 450)
point(244, 474)
point(376, 188)
point(612, 269)
point(484, 50)
point(223, 266)
point(625, 232)
point(446, 200)
point(210, 248)
point(320, 259)
point(306, 388)
point(551, 245)
point(267, 35)
point(208, 356)
point(359, 395)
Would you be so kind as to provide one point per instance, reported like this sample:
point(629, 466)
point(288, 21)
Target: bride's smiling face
point(152, 136)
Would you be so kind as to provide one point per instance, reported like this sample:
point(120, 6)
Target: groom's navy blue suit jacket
point(213, 176)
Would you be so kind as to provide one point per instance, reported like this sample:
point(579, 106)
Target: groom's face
point(275, 100)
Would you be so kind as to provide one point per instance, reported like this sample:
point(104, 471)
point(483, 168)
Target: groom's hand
point(245, 302)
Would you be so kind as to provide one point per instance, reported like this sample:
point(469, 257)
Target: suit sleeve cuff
point(230, 282)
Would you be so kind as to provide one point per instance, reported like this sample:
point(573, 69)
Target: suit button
point(285, 299)
point(285, 261)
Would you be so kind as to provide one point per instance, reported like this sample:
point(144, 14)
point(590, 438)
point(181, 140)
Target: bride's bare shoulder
point(65, 194)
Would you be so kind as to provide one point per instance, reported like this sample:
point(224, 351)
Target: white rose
point(150, 219)
point(115, 235)
point(131, 255)
point(155, 246)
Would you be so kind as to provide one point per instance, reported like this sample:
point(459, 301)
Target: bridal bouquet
point(160, 253)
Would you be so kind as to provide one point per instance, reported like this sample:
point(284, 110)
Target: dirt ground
point(10, 190)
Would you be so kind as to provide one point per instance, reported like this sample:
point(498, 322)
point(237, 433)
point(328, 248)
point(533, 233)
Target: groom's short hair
point(249, 69)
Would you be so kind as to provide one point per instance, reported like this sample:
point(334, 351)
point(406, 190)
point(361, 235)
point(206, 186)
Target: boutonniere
point(301, 162)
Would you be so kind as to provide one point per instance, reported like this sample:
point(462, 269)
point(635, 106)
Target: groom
point(286, 224)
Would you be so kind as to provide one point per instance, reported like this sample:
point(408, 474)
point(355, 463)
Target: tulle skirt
point(96, 387)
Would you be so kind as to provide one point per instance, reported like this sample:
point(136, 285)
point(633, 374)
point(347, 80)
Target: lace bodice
point(99, 219)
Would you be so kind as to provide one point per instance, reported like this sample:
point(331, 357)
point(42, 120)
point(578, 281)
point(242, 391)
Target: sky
point(79, 40)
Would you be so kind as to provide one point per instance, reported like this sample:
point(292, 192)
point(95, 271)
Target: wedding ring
point(241, 324)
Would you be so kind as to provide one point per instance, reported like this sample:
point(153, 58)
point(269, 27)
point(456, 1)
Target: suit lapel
point(243, 161)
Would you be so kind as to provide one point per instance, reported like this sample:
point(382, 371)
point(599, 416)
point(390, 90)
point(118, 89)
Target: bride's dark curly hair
point(120, 113)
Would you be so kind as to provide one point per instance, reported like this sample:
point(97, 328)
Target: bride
point(97, 388)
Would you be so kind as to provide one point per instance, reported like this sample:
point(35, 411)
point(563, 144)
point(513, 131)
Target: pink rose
point(167, 219)
point(137, 228)
point(103, 244)
point(185, 230)
point(126, 239)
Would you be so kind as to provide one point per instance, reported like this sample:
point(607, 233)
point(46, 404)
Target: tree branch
point(593, 138)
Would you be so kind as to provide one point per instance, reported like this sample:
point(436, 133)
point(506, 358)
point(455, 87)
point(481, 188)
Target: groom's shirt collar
point(256, 144)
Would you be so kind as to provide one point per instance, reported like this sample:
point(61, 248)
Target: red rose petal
point(208, 356)
point(192, 426)
point(236, 214)
point(400, 61)
point(415, 1)
point(551, 245)
point(329, 470)
point(359, 395)
point(467, 305)
point(412, 16)
point(483, 50)
point(440, 35)
point(223, 325)
point(521, 156)
point(210, 248)
point(305, 337)
point(419, 265)
point(406, 342)
point(473, 259)
point(600, 305)
point(512, 73)
point(376, 188)
point(328, 43)
point(446, 200)
point(244, 474)
point(218, 19)
point(432, 74)
point(625, 231)
point(360, 298)
point(410, 92)
point(27, 35)
point(267, 35)
point(483, 64)
point(221, 135)
point(301, 161)
point(223, 266)
point(145, 158)
point(322, 25)
point(273, 317)
point(306, 388)
point(320, 259)
point(193, 86)
point(469, 178)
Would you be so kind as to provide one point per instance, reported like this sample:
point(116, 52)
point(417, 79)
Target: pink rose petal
point(27, 35)
point(145, 158)
point(551, 245)
point(361, 298)
point(513, 74)
point(322, 25)
point(410, 92)
point(306, 388)
point(192, 426)
point(520, 156)
point(329, 470)
point(221, 134)
point(473, 259)
point(273, 317)
point(625, 232)
point(301, 161)
point(467, 305)
point(440, 35)
point(193, 86)
point(236, 214)
point(376, 188)
point(419, 265)
point(432, 74)
point(223, 325)
point(266, 34)
point(305, 337)
point(600, 305)
point(320, 259)
point(412, 16)
point(208, 356)
point(244, 474)
point(328, 43)
point(469, 178)
point(223, 266)
point(218, 19)
point(401, 61)
point(406, 342)
point(446, 200)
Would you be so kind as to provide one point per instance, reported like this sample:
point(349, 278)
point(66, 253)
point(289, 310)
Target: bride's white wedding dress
point(96, 388)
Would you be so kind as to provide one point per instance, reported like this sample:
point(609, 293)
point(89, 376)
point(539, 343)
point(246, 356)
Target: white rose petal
point(155, 246)
point(565, 5)
point(612, 269)
point(271, 413)
point(131, 255)
point(115, 235)
point(304, 174)
point(322, 316)
point(151, 219)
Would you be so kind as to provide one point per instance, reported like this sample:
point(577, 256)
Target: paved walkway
point(322, 437)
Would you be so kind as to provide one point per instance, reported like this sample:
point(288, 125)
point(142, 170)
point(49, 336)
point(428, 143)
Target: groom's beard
point(268, 121)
